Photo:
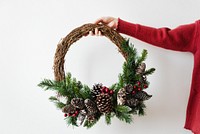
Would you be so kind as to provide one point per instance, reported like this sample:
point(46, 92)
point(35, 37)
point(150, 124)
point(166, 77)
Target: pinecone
point(141, 68)
point(69, 109)
point(143, 79)
point(121, 96)
point(96, 90)
point(78, 103)
point(129, 88)
point(132, 102)
point(81, 117)
point(91, 106)
point(104, 103)
point(141, 95)
point(91, 117)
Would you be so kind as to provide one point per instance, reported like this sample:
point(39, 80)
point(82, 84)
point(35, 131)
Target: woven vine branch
point(64, 45)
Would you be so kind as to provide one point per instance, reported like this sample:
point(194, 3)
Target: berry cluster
point(104, 89)
point(72, 114)
point(138, 87)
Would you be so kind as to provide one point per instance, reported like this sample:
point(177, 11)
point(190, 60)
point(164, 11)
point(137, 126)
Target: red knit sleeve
point(179, 39)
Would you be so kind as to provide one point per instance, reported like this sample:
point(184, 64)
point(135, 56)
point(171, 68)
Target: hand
point(109, 21)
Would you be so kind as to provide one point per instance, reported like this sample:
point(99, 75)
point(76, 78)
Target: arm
point(179, 39)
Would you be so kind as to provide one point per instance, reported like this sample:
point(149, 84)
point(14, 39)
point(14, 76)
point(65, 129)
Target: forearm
point(179, 39)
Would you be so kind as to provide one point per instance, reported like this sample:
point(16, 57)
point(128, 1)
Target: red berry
point(133, 92)
point(74, 115)
point(145, 86)
point(134, 86)
point(139, 88)
point(69, 114)
point(103, 89)
point(138, 83)
point(65, 115)
point(106, 90)
point(76, 112)
point(111, 92)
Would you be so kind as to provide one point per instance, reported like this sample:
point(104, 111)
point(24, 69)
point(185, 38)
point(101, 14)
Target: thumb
point(99, 20)
point(112, 24)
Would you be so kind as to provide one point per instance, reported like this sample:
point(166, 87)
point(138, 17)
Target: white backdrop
point(29, 32)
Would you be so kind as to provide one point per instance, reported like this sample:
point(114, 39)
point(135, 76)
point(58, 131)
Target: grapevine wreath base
point(83, 105)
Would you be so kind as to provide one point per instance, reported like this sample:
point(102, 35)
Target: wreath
point(82, 105)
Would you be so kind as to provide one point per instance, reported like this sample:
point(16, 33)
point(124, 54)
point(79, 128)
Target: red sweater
point(185, 38)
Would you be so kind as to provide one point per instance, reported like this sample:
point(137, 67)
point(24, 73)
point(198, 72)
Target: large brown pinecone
point(104, 103)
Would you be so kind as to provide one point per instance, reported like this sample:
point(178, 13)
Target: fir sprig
point(108, 118)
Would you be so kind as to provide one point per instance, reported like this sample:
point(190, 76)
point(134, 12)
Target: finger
point(112, 24)
point(100, 20)
point(100, 34)
point(96, 31)
point(91, 33)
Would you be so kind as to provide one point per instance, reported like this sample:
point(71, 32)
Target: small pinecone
point(121, 96)
point(91, 117)
point(141, 68)
point(104, 103)
point(69, 109)
point(132, 102)
point(141, 95)
point(78, 103)
point(96, 90)
point(143, 79)
point(129, 88)
point(81, 117)
point(91, 106)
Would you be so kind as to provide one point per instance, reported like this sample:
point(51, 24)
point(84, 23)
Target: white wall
point(29, 32)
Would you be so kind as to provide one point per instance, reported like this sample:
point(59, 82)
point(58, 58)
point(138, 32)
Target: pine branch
point(47, 84)
point(53, 99)
point(108, 118)
point(149, 71)
point(85, 92)
point(59, 104)
point(71, 121)
point(113, 87)
point(123, 113)
point(124, 117)
point(129, 48)
point(143, 57)
point(89, 124)
point(120, 84)
point(141, 111)
point(123, 109)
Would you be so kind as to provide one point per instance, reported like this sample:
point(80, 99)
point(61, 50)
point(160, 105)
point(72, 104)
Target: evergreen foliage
point(71, 88)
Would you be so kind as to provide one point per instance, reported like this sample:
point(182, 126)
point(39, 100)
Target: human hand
point(109, 21)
